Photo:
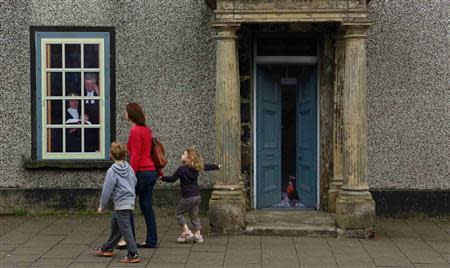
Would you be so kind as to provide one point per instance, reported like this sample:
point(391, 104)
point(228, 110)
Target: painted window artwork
point(72, 73)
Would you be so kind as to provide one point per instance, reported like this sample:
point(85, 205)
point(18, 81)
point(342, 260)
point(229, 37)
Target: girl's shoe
point(185, 237)
point(130, 258)
point(197, 238)
point(104, 252)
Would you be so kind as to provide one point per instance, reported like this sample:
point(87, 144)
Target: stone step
point(310, 223)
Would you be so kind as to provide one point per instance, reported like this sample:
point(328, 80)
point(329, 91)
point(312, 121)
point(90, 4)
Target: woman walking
point(139, 147)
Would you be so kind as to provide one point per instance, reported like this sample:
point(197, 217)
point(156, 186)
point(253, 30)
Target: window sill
point(67, 164)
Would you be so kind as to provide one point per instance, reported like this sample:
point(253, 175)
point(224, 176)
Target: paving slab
point(43, 241)
point(52, 263)
point(88, 265)
point(440, 246)
point(244, 242)
point(64, 252)
point(279, 251)
point(205, 259)
point(446, 257)
point(237, 257)
point(212, 244)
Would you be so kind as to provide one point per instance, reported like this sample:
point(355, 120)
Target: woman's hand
point(100, 211)
point(72, 130)
point(220, 166)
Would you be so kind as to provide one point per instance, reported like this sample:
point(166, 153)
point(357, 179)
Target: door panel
point(268, 138)
point(307, 137)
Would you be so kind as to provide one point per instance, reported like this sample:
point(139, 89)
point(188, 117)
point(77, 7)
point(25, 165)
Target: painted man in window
point(91, 108)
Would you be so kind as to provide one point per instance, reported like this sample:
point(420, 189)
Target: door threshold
point(286, 209)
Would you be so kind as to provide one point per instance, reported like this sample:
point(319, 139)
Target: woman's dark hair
point(135, 114)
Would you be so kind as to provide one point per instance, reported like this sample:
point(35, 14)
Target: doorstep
point(310, 223)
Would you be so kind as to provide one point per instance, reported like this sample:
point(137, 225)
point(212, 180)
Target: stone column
point(338, 178)
point(355, 208)
point(226, 206)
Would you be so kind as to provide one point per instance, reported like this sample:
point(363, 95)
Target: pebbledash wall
point(165, 60)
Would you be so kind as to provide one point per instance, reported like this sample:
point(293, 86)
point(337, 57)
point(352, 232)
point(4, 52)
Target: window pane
point(54, 84)
point(73, 83)
point(54, 112)
point(54, 55)
point(73, 56)
point(92, 111)
point(54, 140)
point(91, 84)
point(73, 140)
point(91, 139)
point(91, 56)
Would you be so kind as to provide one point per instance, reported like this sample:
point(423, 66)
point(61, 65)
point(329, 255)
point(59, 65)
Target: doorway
point(286, 134)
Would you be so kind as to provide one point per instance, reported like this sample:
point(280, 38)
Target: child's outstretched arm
point(176, 176)
point(211, 167)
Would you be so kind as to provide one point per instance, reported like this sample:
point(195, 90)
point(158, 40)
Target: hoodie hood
point(122, 169)
point(120, 183)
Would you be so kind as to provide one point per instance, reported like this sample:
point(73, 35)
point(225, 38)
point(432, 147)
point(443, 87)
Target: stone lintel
point(287, 4)
point(265, 16)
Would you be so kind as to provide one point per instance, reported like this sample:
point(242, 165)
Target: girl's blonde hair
point(194, 160)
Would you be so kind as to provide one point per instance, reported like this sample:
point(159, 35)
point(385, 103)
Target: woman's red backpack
point(157, 154)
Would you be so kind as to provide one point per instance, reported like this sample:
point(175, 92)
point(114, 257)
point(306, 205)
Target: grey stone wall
point(409, 95)
point(165, 60)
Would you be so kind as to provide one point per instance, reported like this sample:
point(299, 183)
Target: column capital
point(357, 30)
point(339, 38)
point(226, 30)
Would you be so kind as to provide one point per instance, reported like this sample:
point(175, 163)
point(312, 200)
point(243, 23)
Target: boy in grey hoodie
point(119, 185)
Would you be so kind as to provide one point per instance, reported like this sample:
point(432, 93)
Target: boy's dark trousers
point(121, 226)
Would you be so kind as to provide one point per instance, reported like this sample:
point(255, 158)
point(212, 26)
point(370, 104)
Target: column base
point(355, 212)
point(333, 193)
point(226, 210)
point(332, 198)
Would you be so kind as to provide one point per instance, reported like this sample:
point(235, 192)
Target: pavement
point(67, 241)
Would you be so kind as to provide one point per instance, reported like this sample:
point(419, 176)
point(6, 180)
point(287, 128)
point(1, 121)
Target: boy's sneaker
point(104, 252)
point(197, 238)
point(185, 237)
point(130, 258)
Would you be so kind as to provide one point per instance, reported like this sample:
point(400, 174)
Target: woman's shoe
point(121, 245)
point(144, 245)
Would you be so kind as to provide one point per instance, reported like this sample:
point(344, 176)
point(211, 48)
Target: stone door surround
point(349, 193)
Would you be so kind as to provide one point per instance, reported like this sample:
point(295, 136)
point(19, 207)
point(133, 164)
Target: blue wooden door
point(307, 137)
point(268, 138)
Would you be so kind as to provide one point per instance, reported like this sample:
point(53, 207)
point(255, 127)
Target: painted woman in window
point(73, 135)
